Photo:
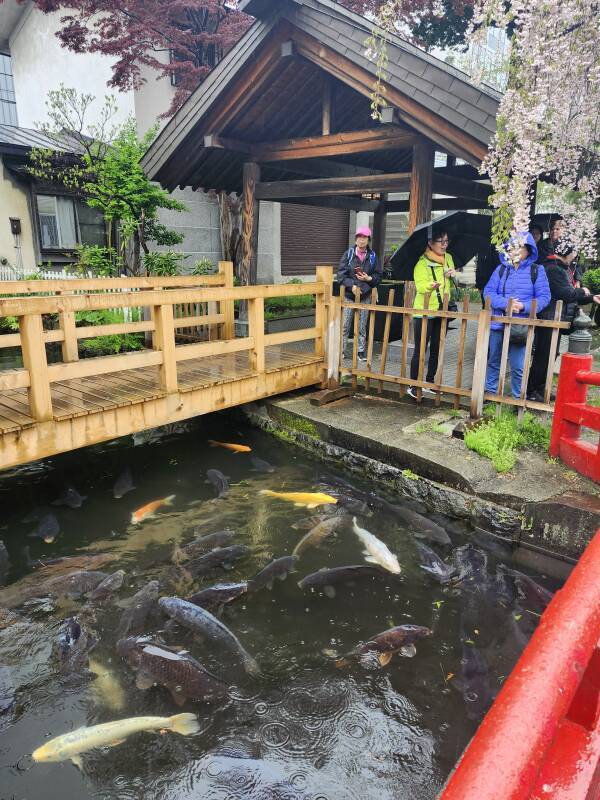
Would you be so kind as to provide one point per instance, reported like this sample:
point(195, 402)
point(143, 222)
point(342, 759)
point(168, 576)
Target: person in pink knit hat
point(359, 267)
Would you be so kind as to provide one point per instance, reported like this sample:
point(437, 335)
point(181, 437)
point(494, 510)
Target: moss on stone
point(297, 424)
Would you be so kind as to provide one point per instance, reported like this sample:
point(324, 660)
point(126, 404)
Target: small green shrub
point(163, 265)
point(101, 262)
point(204, 266)
point(500, 438)
point(591, 280)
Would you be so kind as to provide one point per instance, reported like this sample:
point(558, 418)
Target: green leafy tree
point(101, 162)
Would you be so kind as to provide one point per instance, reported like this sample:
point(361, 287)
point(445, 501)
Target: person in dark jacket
point(359, 267)
point(521, 282)
point(561, 288)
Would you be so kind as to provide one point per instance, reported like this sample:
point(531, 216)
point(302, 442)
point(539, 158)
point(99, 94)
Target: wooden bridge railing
point(37, 375)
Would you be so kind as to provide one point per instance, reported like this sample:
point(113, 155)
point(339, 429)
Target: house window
point(65, 222)
point(8, 102)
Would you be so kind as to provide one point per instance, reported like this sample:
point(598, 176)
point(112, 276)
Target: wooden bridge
point(49, 408)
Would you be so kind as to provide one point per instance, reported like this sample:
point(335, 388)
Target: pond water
point(306, 726)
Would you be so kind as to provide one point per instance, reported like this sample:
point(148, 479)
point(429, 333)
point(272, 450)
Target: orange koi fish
point(147, 511)
point(235, 448)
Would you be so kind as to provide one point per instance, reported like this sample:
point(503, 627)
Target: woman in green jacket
point(433, 274)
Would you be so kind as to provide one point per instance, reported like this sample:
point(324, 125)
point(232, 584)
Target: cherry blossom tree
point(548, 120)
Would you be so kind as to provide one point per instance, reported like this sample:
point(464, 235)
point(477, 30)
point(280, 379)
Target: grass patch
point(500, 438)
point(408, 473)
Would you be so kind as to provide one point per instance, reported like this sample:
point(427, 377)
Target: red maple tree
point(184, 39)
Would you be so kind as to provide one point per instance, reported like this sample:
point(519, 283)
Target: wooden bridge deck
point(79, 397)
point(50, 408)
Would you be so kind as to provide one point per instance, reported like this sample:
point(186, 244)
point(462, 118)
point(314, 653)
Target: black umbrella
point(545, 220)
point(469, 235)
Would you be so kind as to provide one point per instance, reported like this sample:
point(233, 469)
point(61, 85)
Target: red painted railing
point(571, 412)
point(541, 738)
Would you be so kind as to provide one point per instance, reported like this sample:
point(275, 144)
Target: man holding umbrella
point(433, 274)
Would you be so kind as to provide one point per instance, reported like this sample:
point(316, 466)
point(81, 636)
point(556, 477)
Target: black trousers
point(542, 343)
point(434, 327)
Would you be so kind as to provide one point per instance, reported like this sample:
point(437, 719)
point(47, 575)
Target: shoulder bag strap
point(437, 288)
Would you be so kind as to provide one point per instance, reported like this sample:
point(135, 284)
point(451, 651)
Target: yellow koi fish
point(109, 734)
point(308, 499)
point(235, 448)
point(147, 511)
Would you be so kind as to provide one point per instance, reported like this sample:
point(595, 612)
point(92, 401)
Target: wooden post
point(164, 340)
point(327, 105)
point(227, 306)
point(379, 227)
point(33, 349)
point(249, 244)
point(256, 331)
point(481, 358)
point(66, 320)
point(334, 338)
point(419, 203)
point(325, 276)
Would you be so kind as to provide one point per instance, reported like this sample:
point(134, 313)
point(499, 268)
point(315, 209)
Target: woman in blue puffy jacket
point(522, 282)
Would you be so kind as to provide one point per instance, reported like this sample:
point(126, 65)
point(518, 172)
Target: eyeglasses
point(441, 241)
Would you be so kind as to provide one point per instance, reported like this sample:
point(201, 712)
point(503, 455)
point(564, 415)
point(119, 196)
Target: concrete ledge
point(540, 504)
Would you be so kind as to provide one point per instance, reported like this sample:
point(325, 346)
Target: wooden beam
point(440, 204)
point(459, 187)
point(447, 136)
point(389, 137)
point(348, 203)
point(466, 171)
point(321, 168)
point(419, 210)
point(327, 106)
point(35, 362)
point(215, 142)
point(392, 182)
point(379, 227)
point(251, 177)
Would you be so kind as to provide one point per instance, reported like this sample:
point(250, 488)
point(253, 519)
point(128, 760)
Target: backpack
point(372, 256)
point(533, 267)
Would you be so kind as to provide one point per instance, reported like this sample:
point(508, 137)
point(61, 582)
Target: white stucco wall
point(41, 64)
point(13, 203)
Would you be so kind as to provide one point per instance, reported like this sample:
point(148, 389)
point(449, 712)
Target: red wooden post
point(569, 391)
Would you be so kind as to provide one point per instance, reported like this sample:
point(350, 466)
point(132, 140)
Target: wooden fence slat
point(504, 354)
point(461, 352)
point(386, 337)
point(442, 349)
point(356, 320)
point(371, 338)
point(553, 348)
point(324, 275)
point(481, 358)
point(226, 306)
point(334, 339)
point(423, 344)
point(527, 358)
point(406, 320)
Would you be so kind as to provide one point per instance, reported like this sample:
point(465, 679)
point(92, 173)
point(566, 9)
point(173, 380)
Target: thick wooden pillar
point(249, 246)
point(421, 185)
point(379, 227)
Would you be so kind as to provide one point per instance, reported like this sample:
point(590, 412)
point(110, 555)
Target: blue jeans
point(516, 358)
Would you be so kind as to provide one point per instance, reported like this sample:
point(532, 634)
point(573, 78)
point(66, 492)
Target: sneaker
point(537, 397)
point(412, 392)
point(362, 356)
point(425, 390)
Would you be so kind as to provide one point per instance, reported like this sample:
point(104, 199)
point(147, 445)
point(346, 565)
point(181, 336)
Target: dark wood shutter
point(312, 236)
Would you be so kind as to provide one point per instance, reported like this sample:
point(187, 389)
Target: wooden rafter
point(446, 135)
point(322, 187)
point(459, 187)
